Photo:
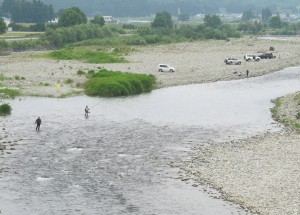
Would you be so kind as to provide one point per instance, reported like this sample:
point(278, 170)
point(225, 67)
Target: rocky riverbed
point(260, 173)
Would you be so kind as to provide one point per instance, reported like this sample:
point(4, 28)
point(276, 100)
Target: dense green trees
point(212, 21)
point(251, 27)
point(72, 16)
point(162, 20)
point(275, 22)
point(98, 20)
point(72, 34)
point(266, 14)
point(183, 17)
point(38, 27)
point(2, 26)
point(30, 12)
point(130, 8)
point(247, 16)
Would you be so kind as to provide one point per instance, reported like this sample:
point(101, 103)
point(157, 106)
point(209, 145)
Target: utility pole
point(178, 8)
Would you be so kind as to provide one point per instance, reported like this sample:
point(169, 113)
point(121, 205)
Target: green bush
point(80, 72)
point(2, 77)
point(111, 84)
point(44, 84)
point(5, 109)
point(17, 77)
point(135, 41)
point(69, 81)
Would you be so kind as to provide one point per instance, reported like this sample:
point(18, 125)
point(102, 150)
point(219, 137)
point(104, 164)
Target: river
point(118, 160)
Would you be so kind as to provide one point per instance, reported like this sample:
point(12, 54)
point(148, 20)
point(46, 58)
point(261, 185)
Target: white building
point(6, 21)
point(108, 18)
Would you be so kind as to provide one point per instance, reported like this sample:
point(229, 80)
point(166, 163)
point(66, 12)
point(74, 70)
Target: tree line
point(27, 12)
point(138, 8)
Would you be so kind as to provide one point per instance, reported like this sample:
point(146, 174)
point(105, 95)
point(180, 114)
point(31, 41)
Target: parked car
point(249, 57)
point(165, 68)
point(267, 56)
point(233, 61)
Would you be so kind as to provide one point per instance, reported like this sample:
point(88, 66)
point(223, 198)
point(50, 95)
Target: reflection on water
point(116, 161)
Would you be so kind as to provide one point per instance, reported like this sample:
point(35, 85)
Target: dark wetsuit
point(87, 110)
point(38, 124)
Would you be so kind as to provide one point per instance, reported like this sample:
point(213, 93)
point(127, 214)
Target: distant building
point(6, 21)
point(54, 21)
point(108, 18)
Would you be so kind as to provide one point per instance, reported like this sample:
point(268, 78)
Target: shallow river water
point(116, 161)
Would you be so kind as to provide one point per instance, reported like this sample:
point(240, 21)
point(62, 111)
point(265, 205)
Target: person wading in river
point(247, 73)
point(87, 111)
point(38, 123)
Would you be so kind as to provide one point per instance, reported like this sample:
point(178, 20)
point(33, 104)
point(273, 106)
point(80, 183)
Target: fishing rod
point(95, 105)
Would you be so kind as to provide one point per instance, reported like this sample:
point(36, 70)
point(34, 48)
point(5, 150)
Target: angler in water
point(87, 111)
point(38, 123)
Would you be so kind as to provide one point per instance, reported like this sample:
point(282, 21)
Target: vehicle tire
point(160, 70)
point(239, 63)
point(171, 70)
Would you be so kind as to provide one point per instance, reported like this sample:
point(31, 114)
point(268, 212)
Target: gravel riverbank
point(260, 173)
point(195, 62)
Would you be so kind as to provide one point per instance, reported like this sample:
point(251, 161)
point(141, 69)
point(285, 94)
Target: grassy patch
point(85, 55)
point(68, 81)
point(275, 109)
point(291, 122)
point(91, 72)
point(19, 78)
point(297, 98)
point(112, 84)
point(5, 109)
point(80, 72)
point(71, 93)
point(2, 77)
point(298, 115)
point(44, 84)
point(2, 147)
point(4, 93)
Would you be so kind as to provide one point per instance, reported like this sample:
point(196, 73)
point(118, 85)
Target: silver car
point(233, 61)
point(165, 68)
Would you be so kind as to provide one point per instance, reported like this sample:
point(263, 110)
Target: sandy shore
point(261, 173)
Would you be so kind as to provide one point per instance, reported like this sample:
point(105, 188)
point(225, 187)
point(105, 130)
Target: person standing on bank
point(247, 73)
point(87, 111)
point(38, 123)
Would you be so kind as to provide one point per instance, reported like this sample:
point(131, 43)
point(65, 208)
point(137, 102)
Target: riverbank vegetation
point(292, 118)
point(87, 55)
point(5, 109)
point(78, 32)
point(9, 93)
point(106, 83)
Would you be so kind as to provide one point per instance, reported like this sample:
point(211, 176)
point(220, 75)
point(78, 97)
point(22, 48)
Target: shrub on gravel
point(5, 109)
point(113, 83)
